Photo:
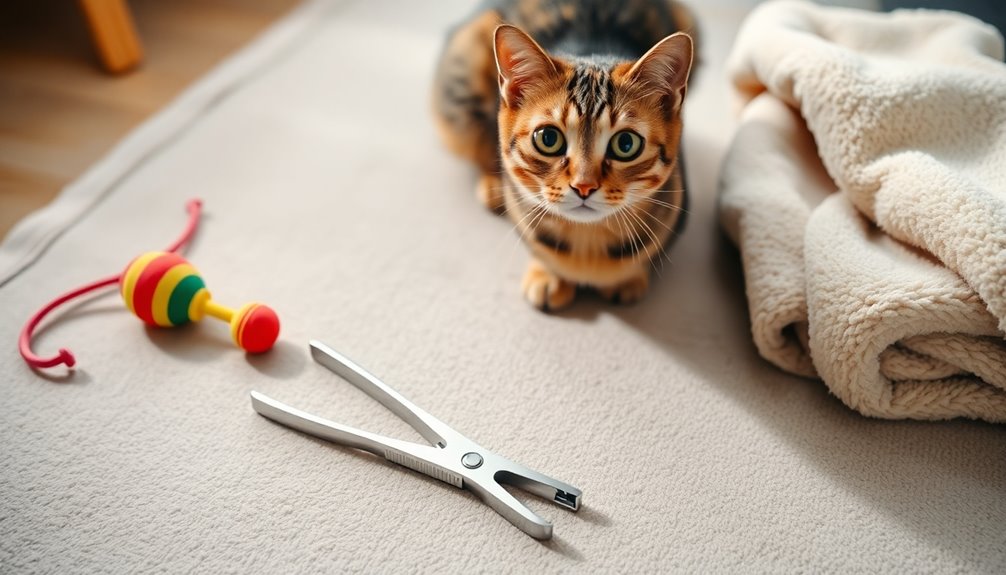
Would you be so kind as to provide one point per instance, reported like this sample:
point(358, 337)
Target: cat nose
point(584, 189)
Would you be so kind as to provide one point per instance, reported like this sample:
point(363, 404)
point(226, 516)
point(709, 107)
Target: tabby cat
point(572, 112)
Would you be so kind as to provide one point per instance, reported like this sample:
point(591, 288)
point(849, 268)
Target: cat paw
point(489, 191)
point(629, 292)
point(545, 290)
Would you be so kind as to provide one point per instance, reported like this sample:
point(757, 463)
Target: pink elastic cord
point(64, 356)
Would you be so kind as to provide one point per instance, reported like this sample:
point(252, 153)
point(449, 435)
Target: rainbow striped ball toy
point(164, 289)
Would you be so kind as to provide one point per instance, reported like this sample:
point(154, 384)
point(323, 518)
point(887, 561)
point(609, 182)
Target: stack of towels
point(866, 191)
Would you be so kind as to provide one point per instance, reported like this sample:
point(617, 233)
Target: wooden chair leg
point(114, 34)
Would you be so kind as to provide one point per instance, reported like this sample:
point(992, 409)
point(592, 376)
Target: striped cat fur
point(572, 112)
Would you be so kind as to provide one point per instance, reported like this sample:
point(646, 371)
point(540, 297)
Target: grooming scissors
point(453, 458)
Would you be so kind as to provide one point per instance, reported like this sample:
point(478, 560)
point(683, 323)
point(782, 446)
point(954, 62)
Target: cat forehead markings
point(590, 89)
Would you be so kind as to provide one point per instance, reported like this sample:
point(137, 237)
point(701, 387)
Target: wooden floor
point(59, 113)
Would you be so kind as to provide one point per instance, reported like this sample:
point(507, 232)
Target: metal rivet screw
point(471, 460)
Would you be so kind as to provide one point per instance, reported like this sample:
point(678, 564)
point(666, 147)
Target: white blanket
point(894, 290)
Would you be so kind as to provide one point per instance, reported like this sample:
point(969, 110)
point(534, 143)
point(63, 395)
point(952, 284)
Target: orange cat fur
point(579, 146)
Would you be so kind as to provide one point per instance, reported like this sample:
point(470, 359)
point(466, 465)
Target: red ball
point(256, 328)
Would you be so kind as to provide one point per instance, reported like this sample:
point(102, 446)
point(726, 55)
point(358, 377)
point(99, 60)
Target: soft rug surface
point(894, 290)
point(328, 196)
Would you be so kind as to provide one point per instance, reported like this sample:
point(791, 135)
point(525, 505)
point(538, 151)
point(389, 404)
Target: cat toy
point(165, 290)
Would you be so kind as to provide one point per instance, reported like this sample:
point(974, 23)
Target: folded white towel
point(894, 290)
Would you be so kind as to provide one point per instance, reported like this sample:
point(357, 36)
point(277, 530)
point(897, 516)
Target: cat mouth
point(583, 213)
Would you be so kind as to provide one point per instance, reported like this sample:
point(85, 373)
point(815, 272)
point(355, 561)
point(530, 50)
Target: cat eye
point(549, 141)
point(625, 145)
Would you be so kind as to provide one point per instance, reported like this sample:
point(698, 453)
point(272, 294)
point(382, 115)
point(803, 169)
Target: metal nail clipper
point(453, 458)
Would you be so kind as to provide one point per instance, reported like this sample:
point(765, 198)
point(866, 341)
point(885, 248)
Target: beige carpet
point(329, 197)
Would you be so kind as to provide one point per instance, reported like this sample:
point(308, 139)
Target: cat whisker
point(634, 239)
point(658, 220)
point(654, 201)
point(621, 229)
point(657, 191)
point(530, 214)
point(638, 244)
point(607, 223)
point(657, 244)
point(532, 226)
point(663, 245)
point(646, 198)
point(531, 218)
point(649, 191)
point(656, 262)
point(618, 220)
point(670, 207)
point(535, 222)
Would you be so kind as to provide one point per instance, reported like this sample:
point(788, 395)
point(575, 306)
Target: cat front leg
point(490, 192)
point(545, 290)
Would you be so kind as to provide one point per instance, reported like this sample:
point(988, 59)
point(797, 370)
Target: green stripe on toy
point(181, 299)
point(164, 289)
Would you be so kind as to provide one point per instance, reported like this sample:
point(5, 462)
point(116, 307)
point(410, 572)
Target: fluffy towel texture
point(899, 281)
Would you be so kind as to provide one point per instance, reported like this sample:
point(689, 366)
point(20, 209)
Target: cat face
point(587, 138)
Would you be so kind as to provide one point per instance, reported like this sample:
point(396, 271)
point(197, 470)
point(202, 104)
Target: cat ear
point(521, 63)
point(666, 66)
